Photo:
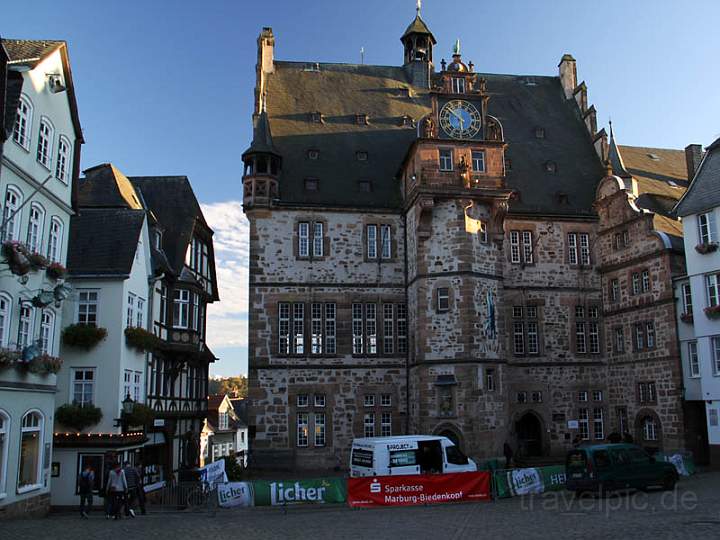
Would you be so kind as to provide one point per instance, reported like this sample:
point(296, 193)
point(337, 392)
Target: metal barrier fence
point(184, 497)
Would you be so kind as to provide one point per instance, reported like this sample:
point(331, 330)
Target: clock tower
point(455, 201)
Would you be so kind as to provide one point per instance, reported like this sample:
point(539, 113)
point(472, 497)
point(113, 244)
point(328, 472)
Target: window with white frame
point(614, 290)
point(490, 379)
point(302, 400)
point(385, 424)
point(649, 429)
point(619, 340)
point(4, 437)
point(388, 327)
point(645, 281)
point(87, 307)
point(443, 299)
point(369, 400)
point(521, 247)
point(369, 424)
point(693, 361)
point(446, 162)
point(5, 311)
point(298, 329)
point(647, 393)
point(311, 239)
point(687, 299)
point(23, 123)
point(12, 216)
point(163, 303)
point(127, 383)
point(62, 162)
point(715, 342)
point(302, 429)
point(137, 386)
point(707, 232)
point(385, 242)
point(322, 328)
point(319, 400)
point(402, 338)
point(31, 451)
point(583, 424)
point(582, 395)
point(223, 421)
point(35, 228)
point(130, 318)
point(47, 331)
point(45, 141)
point(385, 400)
point(635, 283)
point(579, 248)
point(181, 308)
point(25, 324)
point(597, 395)
point(371, 328)
point(319, 429)
point(140, 313)
point(713, 293)
point(598, 424)
point(458, 85)
point(55, 239)
point(580, 330)
point(478, 160)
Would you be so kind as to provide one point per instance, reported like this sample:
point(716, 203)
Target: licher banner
point(282, 492)
point(418, 489)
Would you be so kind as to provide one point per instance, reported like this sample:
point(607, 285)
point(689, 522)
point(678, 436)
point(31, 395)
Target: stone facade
point(470, 307)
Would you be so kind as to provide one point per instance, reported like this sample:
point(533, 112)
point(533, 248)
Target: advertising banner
point(510, 483)
point(214, 473)
point(410, 490)
point(234, 494)
point(316, 490)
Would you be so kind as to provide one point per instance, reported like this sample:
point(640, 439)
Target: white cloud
point(227, 319)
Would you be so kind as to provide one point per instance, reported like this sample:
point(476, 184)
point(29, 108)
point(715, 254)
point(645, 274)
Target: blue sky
point(166, 87)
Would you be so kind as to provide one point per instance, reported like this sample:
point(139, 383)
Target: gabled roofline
point(677, 209)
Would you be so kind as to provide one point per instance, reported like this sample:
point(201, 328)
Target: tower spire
point(418, 7)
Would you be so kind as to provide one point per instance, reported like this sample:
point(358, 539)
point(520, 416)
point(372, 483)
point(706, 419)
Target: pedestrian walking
point(141, 489)
point(132, 477)
point(86, 482)
point(508, 453)
point(117, 488)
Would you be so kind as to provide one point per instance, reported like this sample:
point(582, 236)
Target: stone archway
point(648, 430)
point(452, 432)
point(529, 434)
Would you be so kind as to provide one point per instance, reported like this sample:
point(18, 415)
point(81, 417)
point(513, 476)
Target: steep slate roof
point(103, 241)
point(173, 202)
point(29, 52)
point(418, 26)
point(339, 91)
point(704, 192)
point(104, 186)
point(661, 176)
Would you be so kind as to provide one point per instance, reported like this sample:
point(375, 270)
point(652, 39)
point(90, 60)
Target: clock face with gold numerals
point(460, 119)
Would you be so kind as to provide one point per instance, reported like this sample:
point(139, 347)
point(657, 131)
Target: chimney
point(693, 157)
point(265, 65)
point(568, 74)
point(266, 50)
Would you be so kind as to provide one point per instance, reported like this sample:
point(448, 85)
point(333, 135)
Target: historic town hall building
point(434, 249)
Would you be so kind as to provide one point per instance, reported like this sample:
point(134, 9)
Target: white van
point(409, 454)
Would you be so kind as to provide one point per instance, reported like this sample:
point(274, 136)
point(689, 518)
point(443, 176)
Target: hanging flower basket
point(141, 339)
point(83, 336)
point(687, 318)
point(8, 358)
point(44, 364)
point(78, 417)
point(713, 312)
point(15, 256)
point(56, 271)
point(706, 248)
point(37, 261)
point(141, 415)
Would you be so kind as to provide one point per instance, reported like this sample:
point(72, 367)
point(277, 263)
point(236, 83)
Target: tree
point(229, 385)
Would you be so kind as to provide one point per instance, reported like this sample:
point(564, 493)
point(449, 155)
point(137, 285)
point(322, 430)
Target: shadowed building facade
point(424, 259)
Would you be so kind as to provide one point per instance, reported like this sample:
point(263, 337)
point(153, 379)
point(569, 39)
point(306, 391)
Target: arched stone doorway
point(451, 432)
point(529, 434)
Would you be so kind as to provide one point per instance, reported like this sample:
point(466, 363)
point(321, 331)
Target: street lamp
point(128, 405)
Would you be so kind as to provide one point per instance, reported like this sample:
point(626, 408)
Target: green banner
point(316, 490)
point(512, 482)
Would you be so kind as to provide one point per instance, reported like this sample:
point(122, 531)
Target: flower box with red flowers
point(713, 312)
point(687, 318)
point(708, 247)
point(56, 271)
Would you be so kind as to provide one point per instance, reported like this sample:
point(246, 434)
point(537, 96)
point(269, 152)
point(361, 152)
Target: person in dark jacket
point(132, 477)
point(86, 483)
point(508, 453)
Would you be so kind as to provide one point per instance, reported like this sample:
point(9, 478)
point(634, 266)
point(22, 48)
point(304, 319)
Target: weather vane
point(418, 6)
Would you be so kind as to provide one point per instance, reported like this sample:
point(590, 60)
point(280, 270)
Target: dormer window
point(406, 121)
point(312, 184)
point(316, 117)
point(539, 133)
point(362, 119)
point(458, 85)
point(365, 186)
point(550, 166)
point(313, 154)
point(361, 155)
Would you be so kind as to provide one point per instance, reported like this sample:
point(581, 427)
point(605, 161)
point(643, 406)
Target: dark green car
point(606, 467)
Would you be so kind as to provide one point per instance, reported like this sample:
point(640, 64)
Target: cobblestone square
point(691, 511)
